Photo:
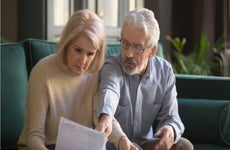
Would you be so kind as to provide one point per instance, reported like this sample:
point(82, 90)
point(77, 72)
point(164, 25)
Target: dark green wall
point(32, 19)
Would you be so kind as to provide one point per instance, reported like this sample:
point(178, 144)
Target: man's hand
point(125, 144)
point(166, 135)
point(105, 125)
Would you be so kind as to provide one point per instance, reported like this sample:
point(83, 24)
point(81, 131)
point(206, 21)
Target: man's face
point(133, 61)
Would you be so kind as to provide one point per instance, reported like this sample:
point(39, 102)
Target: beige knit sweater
point(53, 91)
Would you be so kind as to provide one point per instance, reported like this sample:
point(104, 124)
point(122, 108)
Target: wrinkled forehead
point(135, 35)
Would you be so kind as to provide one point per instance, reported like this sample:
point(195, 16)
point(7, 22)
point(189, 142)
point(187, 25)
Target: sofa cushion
point(13, 92)
point(206, 121)
point(209, 147)
point(112, 48)
point(206, 87)
point(37, 49)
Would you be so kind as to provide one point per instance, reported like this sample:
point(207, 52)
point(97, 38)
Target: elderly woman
point(65, 84)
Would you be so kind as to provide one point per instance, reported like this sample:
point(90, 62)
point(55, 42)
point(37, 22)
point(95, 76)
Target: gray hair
point(142, 18)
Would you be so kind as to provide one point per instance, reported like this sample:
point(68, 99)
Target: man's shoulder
point(161, 62)
point(113, 61)
point(113, 66)
point(161, 67)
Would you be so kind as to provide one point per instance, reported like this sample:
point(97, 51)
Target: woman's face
point(80, 54)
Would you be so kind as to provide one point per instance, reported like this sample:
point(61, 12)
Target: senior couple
point(122, 96)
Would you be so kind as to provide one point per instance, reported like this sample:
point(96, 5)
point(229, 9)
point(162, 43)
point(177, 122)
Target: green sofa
point(204, 102)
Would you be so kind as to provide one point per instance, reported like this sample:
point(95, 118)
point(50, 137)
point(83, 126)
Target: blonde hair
point(142, 18)
point(85, 22)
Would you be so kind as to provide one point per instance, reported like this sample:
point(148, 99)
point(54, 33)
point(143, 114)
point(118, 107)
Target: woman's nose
point(83, 59)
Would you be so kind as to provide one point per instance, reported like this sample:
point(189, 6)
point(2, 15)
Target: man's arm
point(170, 127)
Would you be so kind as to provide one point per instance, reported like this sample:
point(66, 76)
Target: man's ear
point(153, 51)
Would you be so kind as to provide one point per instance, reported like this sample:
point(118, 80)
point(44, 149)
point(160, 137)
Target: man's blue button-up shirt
point(138, 102)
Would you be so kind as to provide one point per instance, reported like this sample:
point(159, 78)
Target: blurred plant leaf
point(203, 47)
point(193, 63)
point(177, 43)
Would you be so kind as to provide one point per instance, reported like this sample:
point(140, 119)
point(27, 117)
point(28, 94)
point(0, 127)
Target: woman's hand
point(105, 125)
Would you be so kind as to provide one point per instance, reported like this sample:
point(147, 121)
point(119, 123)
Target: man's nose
point(130, 52)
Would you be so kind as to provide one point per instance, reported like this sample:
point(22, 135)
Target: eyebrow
point(91, 50)
point(132, 43)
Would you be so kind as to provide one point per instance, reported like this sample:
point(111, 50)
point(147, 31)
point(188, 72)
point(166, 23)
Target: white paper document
point(73, 136)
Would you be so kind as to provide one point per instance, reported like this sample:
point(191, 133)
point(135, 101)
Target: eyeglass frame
point(135, 48)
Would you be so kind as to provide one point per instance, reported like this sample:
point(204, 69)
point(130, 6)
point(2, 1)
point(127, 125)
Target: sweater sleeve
point(36, 110)
point(116, 134)
point(38, 145)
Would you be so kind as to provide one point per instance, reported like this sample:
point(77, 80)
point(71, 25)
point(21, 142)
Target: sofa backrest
point(37, 49)
point(13, 92)
point(210, 87)
point(17, 60)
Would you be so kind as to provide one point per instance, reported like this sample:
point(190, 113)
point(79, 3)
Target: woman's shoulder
point(46, 60)
point(44, 63)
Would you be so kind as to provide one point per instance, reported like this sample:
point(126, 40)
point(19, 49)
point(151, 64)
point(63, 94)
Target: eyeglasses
point(137, 48)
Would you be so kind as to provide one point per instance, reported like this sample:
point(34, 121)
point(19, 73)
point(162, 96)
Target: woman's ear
point(153, 51)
